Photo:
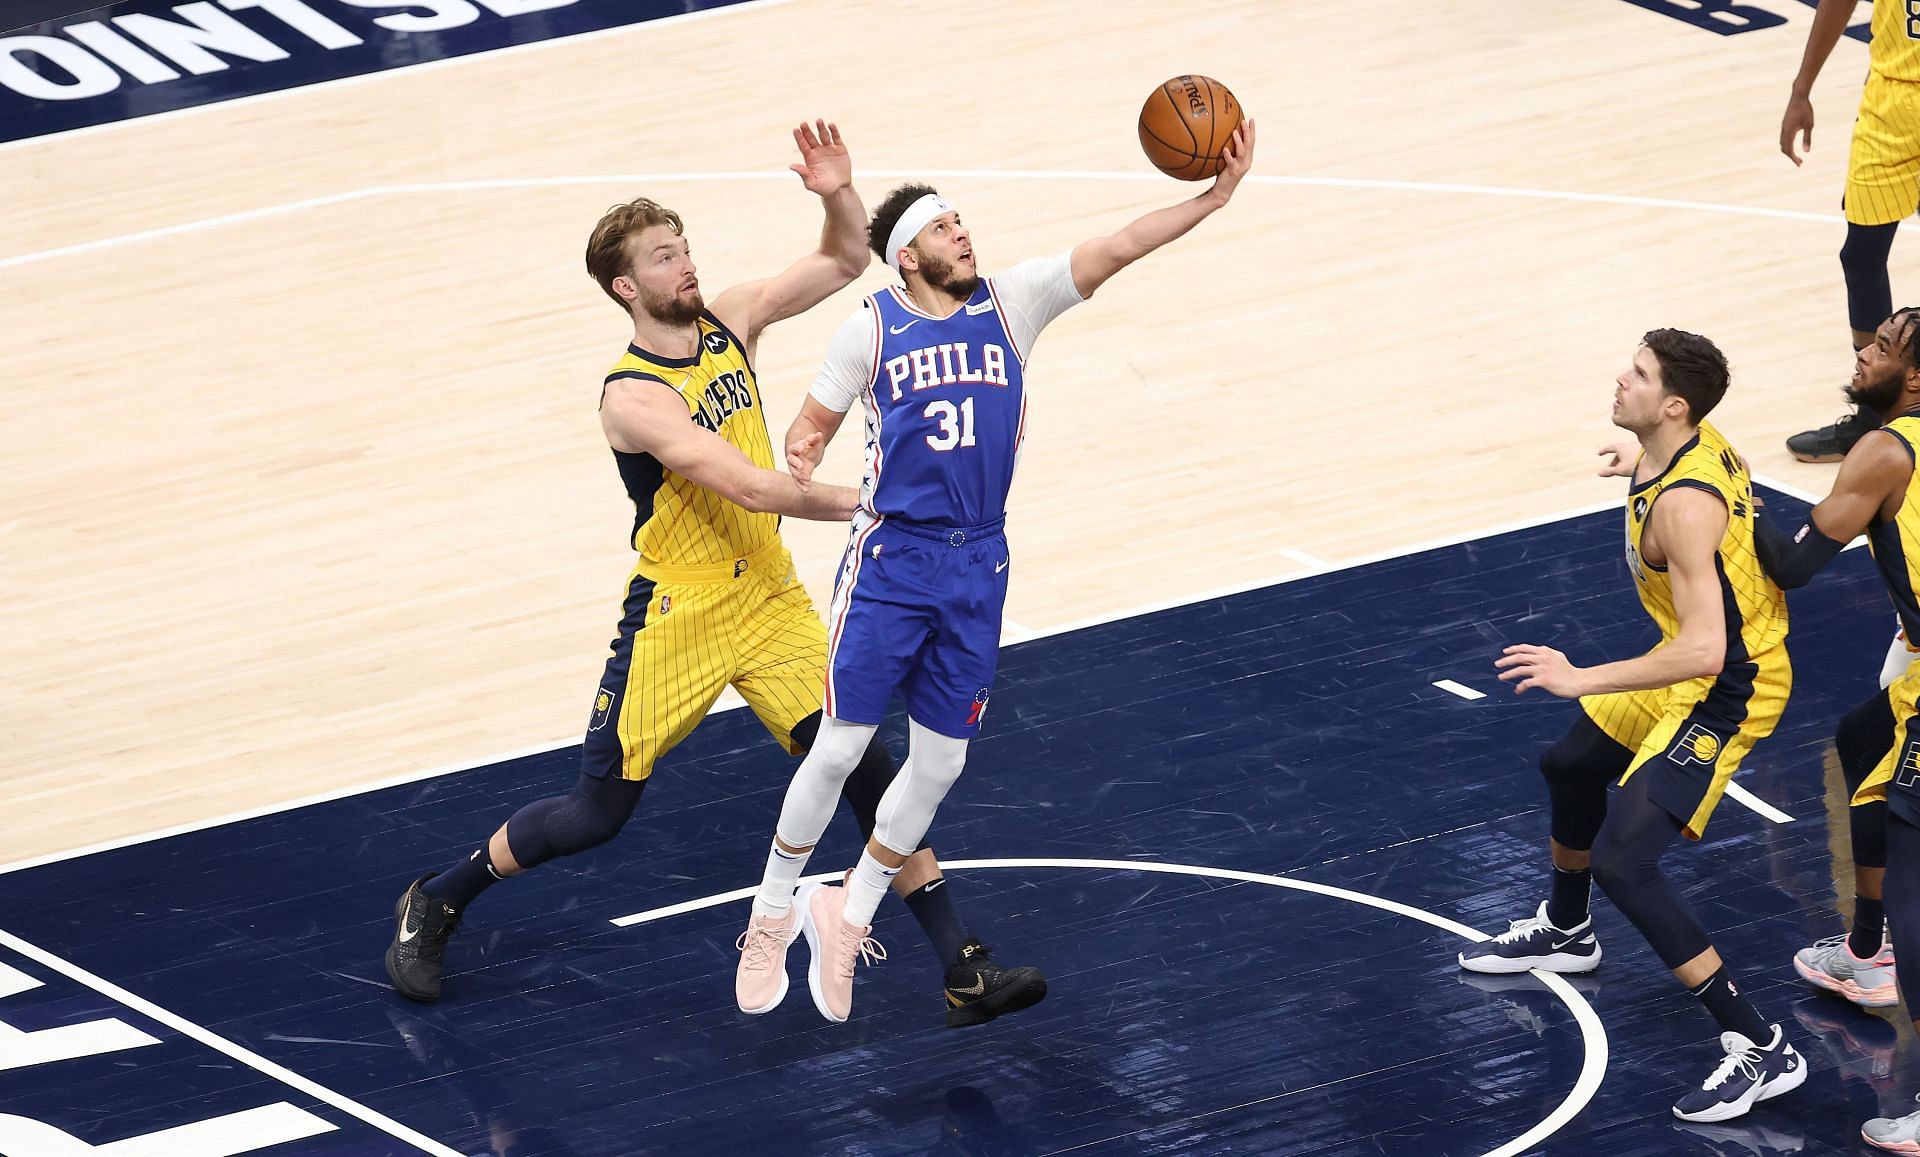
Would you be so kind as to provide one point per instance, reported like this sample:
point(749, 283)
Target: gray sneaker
point(1831, 965)
point(1894, 1134)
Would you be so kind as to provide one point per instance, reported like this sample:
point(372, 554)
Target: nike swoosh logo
point(408, 911)
point(1001, 567)
point(1566, 943)
point(932, 884)
point(979, 987)
point(900, 329)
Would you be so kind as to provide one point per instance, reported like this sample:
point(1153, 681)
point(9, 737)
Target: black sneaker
point(979, 990)
point(1831, 443)
point(1536, 943)
point(1748, 1074)
point(413, 959)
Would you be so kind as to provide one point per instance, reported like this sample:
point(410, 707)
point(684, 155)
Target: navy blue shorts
point(917, 609)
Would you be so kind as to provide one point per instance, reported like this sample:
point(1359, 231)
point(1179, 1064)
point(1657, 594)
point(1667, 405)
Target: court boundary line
point(723, 176)
point(363, 77)
point(1593, 1034)
point(404, 778)
point(225, 1047)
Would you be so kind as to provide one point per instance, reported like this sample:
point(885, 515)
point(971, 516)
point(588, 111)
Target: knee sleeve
point(586, 817)
point(1626, 866)
point(836, 749)
point(1864, 737)
point(1863, 261)
point(1578, 769)
point(934, 762)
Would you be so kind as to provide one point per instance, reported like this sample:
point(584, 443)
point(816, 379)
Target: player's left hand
point(824, 168)
point(1535, 666)
point(1237, 159)
point(803, 454)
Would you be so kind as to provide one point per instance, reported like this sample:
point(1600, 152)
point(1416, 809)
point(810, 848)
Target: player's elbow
point(850, 263)
point(1709, 659)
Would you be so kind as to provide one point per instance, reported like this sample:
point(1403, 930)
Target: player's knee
point(1864, 252)
point(593, 813)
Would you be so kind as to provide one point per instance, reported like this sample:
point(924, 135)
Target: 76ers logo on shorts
point(1697, 744)
point(603, 700)
point(979, 706)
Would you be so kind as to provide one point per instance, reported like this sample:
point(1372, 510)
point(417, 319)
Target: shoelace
point(854, 947)
point(757, 944)
point(1747, 1060)
point(1520, 930)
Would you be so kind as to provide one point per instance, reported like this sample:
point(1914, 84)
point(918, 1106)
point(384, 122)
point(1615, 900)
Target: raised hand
point(1237, 159)
point(824, 168)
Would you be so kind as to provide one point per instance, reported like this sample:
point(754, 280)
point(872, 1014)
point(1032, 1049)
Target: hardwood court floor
point(313, 497)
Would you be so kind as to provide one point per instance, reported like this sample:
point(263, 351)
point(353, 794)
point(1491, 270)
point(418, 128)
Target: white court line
point(557, 744)
point(438, 187)
point(226, 1047)
point(1593, 1035)
point(1460, 689)
point(1741, 795)
point(421, 66)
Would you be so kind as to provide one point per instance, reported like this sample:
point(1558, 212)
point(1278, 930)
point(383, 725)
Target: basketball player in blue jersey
point(712, 600)
point(1877, 493)
point(940, 363)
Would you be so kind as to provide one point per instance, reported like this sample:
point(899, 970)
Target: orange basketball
point(1186, 124)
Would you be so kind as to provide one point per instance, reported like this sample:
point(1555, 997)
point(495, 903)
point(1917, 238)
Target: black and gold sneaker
point(425, 926)
point(979, 989)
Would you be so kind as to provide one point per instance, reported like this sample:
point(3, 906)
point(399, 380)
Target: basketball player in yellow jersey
point(1883, 175)
point(1876, 494)
point(712, 600)
point(1670, 725)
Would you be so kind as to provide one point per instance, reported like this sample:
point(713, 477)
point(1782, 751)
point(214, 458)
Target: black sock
point(1869, 926)
point(1567, 905)
point(459, 884)
point(1734, 1012)
point(933, 907)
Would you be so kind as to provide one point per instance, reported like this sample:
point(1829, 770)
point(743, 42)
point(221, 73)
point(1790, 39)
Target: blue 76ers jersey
point(945, 412)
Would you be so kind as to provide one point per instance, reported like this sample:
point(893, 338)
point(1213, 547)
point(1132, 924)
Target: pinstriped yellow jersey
point(1896, 545)
point(675, 520)
point(1895, 50)
point(1756, 610)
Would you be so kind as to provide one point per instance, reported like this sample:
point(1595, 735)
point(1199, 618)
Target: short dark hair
point(888, 215)
point(1908, 316)
point(1691, 368)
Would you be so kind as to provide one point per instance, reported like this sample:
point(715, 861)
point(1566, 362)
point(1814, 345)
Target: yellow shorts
point(1883, 165)
point(1691, 737)
point(685, 635)
point(1899, 768)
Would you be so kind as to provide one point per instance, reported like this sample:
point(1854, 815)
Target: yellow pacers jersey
point(677, 522)
point(1896, 545)
point(1756, 608)
point(1895, 51)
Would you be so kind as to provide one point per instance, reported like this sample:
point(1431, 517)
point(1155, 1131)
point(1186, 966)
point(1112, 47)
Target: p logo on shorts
point(602, 709)
point(1697, 745)
point(1909, 772)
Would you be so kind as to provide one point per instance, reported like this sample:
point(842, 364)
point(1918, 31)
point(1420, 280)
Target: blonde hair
point(607, 247)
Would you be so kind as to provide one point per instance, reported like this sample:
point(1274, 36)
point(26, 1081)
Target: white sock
point(869, 883)
point(778, 882)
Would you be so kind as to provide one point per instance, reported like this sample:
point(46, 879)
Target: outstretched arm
point(1872, 472)
point(827, 171)
point(646, 417)
point(1096, 260)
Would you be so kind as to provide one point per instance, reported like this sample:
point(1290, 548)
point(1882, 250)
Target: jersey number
point(956, 423)
point(1913, 19)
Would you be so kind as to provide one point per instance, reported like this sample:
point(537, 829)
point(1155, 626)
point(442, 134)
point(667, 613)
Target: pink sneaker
point(1868, 983)
point(760, 983)
point(836, 945)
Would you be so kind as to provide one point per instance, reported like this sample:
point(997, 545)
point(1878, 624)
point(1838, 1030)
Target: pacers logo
point(1696, 745)
point(602, 709)
point(1909, 773)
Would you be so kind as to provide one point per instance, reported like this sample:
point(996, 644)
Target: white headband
point(911, 222)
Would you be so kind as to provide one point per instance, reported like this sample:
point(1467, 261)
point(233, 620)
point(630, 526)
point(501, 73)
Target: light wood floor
point(317, 497)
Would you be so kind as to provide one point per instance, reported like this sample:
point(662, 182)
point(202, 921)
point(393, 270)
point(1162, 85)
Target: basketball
point(1185, 126)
